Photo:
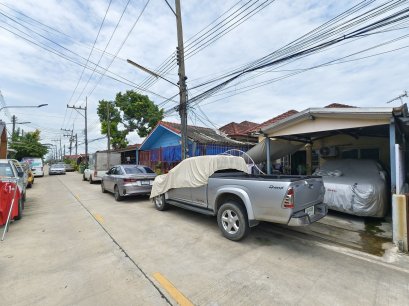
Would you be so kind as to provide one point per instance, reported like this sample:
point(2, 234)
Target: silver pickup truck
point(241, 200)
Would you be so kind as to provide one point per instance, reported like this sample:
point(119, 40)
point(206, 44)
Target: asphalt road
point(77, 246)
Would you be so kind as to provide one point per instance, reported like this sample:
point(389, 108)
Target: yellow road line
point(174, 293)
point(99, 218)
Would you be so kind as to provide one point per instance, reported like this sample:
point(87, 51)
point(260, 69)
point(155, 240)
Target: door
point(199, 196)
point(181, 194)
point(109, 179)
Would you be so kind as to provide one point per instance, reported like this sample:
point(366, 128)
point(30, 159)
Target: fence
point(164, 159)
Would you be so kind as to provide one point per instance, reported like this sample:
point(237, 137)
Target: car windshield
point(5, 170)
point(137, 170)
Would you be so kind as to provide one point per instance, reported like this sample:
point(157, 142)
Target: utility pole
point(71, 137)
point(13, 120)
point(64, 153)
point(76, 145)
point(77, 109)
point(60, 149)
point(109, 135)
point(180, 53)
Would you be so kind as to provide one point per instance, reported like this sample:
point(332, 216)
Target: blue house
point(161, 149)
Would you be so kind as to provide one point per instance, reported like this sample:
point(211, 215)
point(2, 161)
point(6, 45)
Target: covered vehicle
point(127, 180)
point(220, 186)
point(355, 186)
point(56, 169)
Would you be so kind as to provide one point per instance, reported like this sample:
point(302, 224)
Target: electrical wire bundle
point(358, 22)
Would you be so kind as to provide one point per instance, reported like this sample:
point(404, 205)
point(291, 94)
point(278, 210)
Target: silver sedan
point(126, 180)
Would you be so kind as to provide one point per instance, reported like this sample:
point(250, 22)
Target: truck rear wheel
point(90, 179)
point(232, 221)
point(160, 203)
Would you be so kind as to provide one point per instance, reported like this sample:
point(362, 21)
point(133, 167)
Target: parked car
point(220, 186)
point(11, 169)
point(355, 186)
point(37, 165)
point(56, 169)
point(69, 168)
point(98, 165)
point(29, 172)
point(127, 180)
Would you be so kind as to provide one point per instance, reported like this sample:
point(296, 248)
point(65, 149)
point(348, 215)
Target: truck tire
point(233, 221)
point(83, 177)
point(90, 179)
point(160, 203)
point(20, 210)
point(117, 195)
point(103, 187)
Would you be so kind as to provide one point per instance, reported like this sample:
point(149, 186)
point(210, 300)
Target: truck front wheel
point(232, 221)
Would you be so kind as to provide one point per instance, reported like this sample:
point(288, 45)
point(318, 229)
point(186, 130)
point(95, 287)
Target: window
point(5, 170)
point(372, 153)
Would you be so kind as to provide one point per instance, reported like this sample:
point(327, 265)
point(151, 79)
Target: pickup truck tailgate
point(308, 192)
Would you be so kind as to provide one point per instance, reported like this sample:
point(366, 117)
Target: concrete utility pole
point(13, 121)
point(70, 137)
point(77, 109)
point(180, 53)
point(109, 134)
point(76, 145)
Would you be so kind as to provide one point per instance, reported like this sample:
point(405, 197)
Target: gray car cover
point(355, 186)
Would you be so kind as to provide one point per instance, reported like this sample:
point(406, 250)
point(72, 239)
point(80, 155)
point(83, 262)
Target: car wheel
point(117, 195)
point(20, 210)
point(160, 203)
point(103, 187)
point(232, 221)
point(90, 179)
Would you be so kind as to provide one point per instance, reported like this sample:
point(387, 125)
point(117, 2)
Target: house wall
point(347, 142)
point(167, 139)
point(327, 124)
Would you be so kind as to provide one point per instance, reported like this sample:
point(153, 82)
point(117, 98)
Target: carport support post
point(268, 154)
point(392, 141)
point(308, 153)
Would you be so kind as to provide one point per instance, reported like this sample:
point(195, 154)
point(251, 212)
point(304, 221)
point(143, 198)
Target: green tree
point(134, 111)
point(28, 145)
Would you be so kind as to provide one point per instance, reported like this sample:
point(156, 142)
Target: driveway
point(76, 245)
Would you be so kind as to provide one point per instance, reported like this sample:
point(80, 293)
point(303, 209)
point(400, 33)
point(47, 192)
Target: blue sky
point(29, 75)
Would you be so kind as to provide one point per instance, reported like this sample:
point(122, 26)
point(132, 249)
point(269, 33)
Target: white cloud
point(32, 75)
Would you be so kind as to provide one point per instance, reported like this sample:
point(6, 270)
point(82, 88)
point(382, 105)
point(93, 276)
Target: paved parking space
point(76, 245)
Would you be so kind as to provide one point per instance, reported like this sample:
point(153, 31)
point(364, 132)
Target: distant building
point(240, 131)
point(161, 149)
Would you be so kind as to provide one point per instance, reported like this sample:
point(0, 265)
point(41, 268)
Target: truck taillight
point(289, 198)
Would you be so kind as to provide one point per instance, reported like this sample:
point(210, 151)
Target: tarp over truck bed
point(195, 172)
